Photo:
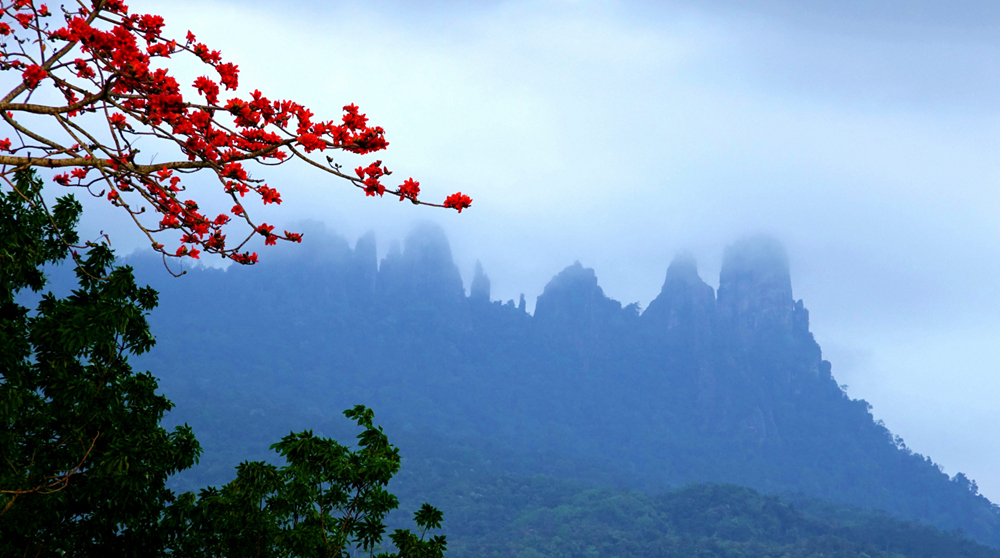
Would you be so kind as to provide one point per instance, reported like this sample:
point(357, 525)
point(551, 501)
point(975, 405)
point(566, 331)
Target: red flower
point(62, 179)
point(233, 187)
point(24, 19)
point(311, 142)
point(374, 170)
point(367, 141)
point(4, 29)
point(208, 88)
point(229, 75)
point(216, 241)
point(373, 186)
point(458, 200)
point(270, 239)
point(353, 120)
point(269, 195)
point(244, 258)
point(207, 56)
point(33, 75)
point(159, 49)
point(409, 190)
point(234, 170)
point(185, 251)
point(170, 221)
point(150, 25)
point(82, 69)
point(5, 144)
point(294, 237)
point(115, 6)
point(117, 120)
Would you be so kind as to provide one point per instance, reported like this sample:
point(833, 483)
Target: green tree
point(325, 501)
point(84, 461)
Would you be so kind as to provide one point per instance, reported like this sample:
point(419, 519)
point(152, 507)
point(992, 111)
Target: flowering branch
point(103, 64)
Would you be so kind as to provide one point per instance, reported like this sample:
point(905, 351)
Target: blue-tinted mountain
point(726, 387)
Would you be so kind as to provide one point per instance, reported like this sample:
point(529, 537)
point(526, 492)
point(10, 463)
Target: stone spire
point(685, 301)
point(480, 289)
point(755, 290)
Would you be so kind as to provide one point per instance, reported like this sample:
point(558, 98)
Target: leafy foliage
point(86, 462)
point(326, 501)
point(553, 518)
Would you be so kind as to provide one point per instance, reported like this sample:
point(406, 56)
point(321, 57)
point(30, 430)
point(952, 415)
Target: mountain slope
point(698, 388)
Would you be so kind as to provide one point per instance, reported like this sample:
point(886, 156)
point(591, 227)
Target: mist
point(865, 139)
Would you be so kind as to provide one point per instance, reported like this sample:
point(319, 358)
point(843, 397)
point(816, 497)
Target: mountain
point(727, 387)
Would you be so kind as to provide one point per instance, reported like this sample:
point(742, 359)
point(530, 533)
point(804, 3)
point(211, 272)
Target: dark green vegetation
point(84, 461)
point(697, 388)
point(541, 517)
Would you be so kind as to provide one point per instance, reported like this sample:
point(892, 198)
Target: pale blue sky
point(864, 135)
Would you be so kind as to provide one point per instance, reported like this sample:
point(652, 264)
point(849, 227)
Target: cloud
point(864, 136)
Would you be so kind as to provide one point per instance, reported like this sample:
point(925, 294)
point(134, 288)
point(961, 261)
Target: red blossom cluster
point(370, 178)
point(410, 190)
point(458, 201)
point(104, 61)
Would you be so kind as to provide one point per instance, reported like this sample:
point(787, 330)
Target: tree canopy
point(85, 460)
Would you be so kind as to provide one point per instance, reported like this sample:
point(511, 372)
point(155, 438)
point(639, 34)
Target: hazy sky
point(864, 135)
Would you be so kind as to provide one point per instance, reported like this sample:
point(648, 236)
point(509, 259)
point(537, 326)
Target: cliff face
point(699, 387)
point(573, 302)
point(423, 273)
point(685, 306)
point(755, 292)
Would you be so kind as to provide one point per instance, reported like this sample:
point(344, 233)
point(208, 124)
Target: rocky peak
point(479, 291)
point(574, 298)
point(684, 301)
point(364, 261)
point(363, 271)
point(755, 289)
point(422, 269)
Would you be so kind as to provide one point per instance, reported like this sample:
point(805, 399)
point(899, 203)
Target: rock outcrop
point(702, 386)
point(685, 308)
point(423, 272)
point(479, 291)
point(572, 300)
point(755, 291)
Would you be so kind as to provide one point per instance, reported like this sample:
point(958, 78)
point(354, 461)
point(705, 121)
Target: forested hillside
point(541, 517)
point(726, 387)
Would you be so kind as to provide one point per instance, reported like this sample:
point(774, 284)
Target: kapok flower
point(33, 75)
point(458, 200)
point(409, 190)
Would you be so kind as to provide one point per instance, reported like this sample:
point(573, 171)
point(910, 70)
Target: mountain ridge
point(701, 387)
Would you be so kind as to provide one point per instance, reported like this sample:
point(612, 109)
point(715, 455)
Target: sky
point(863, 135)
